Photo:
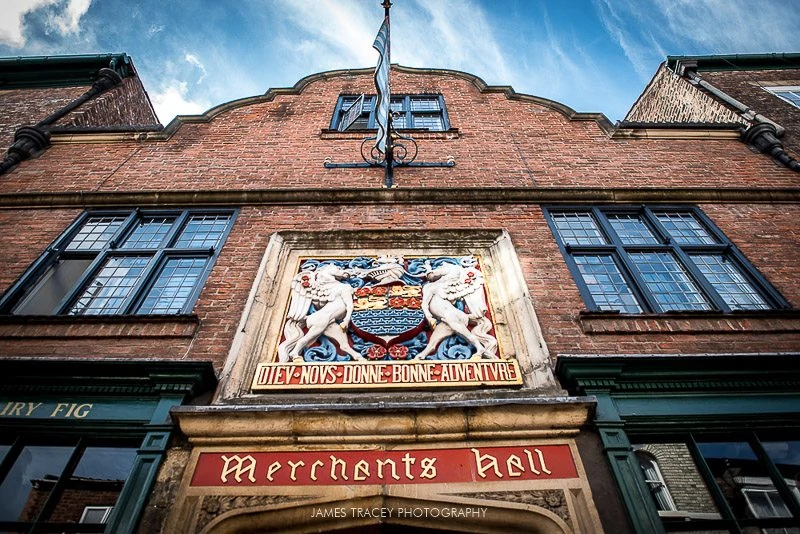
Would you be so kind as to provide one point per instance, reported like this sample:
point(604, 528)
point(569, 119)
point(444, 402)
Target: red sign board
point(377, 467)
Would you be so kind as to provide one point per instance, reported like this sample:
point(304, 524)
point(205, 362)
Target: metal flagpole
point(388, 180)
point(390, 149)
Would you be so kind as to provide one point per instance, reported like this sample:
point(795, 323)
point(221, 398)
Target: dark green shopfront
point(81, 442)
point(698, 443)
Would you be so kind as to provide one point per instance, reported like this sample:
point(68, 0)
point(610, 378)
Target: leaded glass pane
point(604, 280)
point(149, 232)
point(730, 283)
point(107, 291)
point(95, 233)
point(425, 104)
point(430, 121)
point(397, 104)
point(792, 97)
point(361, 123)
point(668, 282)
point(174, 286)
point(348, 101)
point(631, 229)
point(685, 228)
point(203, 231)
point(578, 228)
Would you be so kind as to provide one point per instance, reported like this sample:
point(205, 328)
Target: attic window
point(411, 112)
point(790, 94)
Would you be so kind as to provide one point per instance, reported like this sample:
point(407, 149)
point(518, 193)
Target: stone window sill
point(98, 326)
point(328, 133)
point(676, 323)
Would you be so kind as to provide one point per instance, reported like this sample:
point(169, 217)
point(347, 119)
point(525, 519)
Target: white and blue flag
point(382, 103)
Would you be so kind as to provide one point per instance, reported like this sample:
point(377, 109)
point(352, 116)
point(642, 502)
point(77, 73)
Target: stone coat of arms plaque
point(402, 320)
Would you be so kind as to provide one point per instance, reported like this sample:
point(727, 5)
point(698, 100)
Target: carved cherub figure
point(450, 283)
point(333, 303)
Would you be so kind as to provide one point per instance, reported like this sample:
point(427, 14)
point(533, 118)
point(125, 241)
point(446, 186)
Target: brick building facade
point(620, 285)
point(751, 90)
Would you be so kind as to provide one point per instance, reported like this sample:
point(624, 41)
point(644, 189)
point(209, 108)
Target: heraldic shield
point(388, 308)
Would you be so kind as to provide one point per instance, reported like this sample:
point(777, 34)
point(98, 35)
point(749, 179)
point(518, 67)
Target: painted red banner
point(362, 467)
point(387, 374)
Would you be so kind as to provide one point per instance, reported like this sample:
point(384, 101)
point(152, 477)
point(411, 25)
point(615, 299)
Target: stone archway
point(418, 517)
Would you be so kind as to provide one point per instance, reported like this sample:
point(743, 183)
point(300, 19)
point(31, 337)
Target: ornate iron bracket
point(329, 164)
point(401, 151)
point(401, 154)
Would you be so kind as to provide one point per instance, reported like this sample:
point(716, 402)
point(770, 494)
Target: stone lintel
point(267, 424)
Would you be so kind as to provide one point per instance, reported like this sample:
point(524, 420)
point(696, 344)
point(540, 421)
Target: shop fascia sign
point(380, 467)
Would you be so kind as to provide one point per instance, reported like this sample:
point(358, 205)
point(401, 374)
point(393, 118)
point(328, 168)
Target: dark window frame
point(680, 251)
point(692, 437)
point(158, 256)
point(339, 111)
point(79, 441)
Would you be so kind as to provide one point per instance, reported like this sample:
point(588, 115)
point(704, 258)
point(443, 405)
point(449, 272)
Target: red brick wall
point(670, 98)
point(766, 234)
point(126, 104)
point(501, 143)
point(746, 87)
point(20, 107)
point(21, 247)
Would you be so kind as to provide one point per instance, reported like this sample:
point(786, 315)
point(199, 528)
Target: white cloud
point(644, 29)
point(67, 21)
point(155, 29)
point(339, 32)
point(172, 100)
point(12, 20)
point(453, 34)
point(195, 61)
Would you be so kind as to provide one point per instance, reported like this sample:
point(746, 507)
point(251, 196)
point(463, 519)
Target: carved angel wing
point(301, 299)
point(309, 287)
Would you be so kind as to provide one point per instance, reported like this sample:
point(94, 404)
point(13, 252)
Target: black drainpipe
point(32, 140)
point(763, 137)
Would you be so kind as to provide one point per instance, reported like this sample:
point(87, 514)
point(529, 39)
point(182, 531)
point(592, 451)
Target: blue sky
point(592, 55)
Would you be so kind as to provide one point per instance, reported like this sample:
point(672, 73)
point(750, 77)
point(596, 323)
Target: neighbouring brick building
point(750, 90)
point(551, 324)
